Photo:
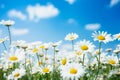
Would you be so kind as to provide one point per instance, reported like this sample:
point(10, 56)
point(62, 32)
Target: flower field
point(38, 60)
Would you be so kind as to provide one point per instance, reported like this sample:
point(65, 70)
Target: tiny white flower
point(71, 36)
point(7, 23)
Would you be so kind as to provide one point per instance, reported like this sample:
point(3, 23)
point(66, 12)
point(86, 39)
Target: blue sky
point(51, 20)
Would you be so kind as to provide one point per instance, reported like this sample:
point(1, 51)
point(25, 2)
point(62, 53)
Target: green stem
point(9, 34)
point(72, 45)
point(31, 76)
point(54, 65)
point(99, 53)
point(98, 60)
point(30, 64)
point(45, 54)
point(83, 59)
point(37, 57)
point(118, 61)
point(4, 46)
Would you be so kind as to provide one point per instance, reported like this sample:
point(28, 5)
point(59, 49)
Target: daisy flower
point(72, 71)
point(12, 56)
point(20, 44)
point(71, 36)
point(45, 46)
point(113, 60)
point(3, 39)
point(7, 23)
point(85, 46)
point(16, 74)
point(35, 69)
point(116, 36)
point(54, 44)
point(36, 43)
point(46, 69)
point(101, 36)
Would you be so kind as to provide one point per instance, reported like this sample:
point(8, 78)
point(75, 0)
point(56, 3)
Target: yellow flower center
point(42, 46)
point(78, 53)
point(10, 66)
point(73, 71)
point(84, 47)
point(28, 61)
point(64, 61)
point(13, 58)
point(46, 70)
point(35, 50)
point(46, 58)
point(40, 62)
point(118, 36)
point(1, 40)
point(100, 37)
point(71, 37)
point(111, 61)
point(16, 75)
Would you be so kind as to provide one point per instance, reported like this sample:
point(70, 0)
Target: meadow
point(38, 60)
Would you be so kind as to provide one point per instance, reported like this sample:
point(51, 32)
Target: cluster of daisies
point(53, 61)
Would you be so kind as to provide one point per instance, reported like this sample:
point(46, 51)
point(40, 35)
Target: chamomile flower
point(45, 46)
point(35, 69)
point(7, 23)
point(55, 44)
point(20, 44)
point(102, 36)
point(71, 36)
point(16, 74)
point(3, 39)
point(12, 56)
point(35, 44)
point(116, 36)
point(85, 46)
point(114, 72)
point(72, 71)
point(113, 60)
point(46, 69)
point(117, 50)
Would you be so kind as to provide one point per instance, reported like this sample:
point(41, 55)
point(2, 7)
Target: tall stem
point(4, 46)
point(118, 61)
point(9, 34)
point(45, 55)
point(37, 57)
point(98, 58)
point(83, 59)
point(54, 64)
point(72, 45)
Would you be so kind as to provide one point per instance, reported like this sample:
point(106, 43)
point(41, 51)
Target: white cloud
point(16, 14)
point(18, 32)
point(42, 11)
point(114, 2)
point(72, 21)
point(71, 1)
point(92, 27)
